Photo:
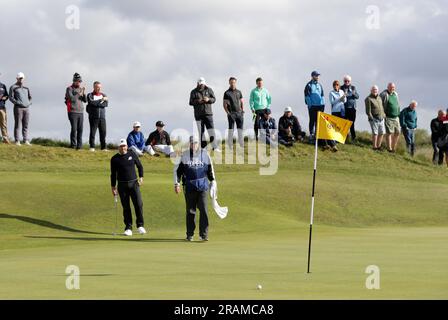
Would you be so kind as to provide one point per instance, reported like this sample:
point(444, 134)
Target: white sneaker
point(128, 232)
point(217, 150)
point(105, 150)
point(18, 143)
point(141, 230)
point(27, 143)
point(92, 149)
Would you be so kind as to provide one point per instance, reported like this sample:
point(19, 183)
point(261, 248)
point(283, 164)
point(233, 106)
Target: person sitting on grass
point(159, 141)
point(136, 140)
point(289, 129)
point(268, 127)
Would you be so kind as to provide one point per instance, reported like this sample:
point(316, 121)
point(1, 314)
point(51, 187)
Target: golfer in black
point(195, 170)
point(122, 168)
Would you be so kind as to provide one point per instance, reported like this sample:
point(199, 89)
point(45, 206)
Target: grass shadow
point(46, 224)
point(117, 238)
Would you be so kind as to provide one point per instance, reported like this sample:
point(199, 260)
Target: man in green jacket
point(260, 99)
point(375, 114)
point(391, 105)
point(408, 122)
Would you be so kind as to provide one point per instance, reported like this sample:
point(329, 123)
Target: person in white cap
point(136, 140)
point(289, 129)
point(122, 170)
point(3, 114)
point(201, 98)
point(20, 96)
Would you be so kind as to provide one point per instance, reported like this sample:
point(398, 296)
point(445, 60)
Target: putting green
point(371, 209)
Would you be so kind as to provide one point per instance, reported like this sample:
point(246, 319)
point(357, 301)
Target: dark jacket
point(408, 118)
point(351, 94)
point(20, 96)
point(158, 138)
point(201, 108)
point(3, 93)
point(267, 124)
point(96, 108)
point(292, 122)
point(436, 129)
point(122, 168)
point(74, 100)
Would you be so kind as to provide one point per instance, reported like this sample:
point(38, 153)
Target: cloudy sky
point(149, 54)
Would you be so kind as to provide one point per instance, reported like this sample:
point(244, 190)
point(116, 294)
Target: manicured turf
point(371, 209)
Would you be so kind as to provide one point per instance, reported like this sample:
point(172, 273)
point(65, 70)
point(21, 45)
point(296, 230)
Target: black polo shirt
point(233, 98)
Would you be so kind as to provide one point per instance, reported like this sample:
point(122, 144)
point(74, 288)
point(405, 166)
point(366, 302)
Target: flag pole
point(312, 193)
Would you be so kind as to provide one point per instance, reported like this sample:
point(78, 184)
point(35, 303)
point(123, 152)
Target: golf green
point(371, 209)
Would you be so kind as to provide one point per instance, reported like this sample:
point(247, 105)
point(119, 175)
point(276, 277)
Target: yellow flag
point(332, 128)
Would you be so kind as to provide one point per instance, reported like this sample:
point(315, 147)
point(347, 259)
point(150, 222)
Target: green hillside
point(56, 209)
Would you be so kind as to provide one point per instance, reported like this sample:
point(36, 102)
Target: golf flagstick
point(312, 193)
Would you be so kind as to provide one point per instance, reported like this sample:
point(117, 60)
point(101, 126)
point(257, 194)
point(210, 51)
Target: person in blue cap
point(315, 101)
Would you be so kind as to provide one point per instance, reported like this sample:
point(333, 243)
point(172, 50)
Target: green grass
point(371, 209)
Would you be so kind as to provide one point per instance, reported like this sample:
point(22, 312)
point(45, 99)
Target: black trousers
point(258, 115)
point(206, 122)
point(438, 155)
point(97, 124)
point(127, 191)
point(236, 118)
point(350, 114)
point(312, 112)
point(76, 123)
point(197, 200)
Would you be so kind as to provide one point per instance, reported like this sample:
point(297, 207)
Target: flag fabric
point(332, 128)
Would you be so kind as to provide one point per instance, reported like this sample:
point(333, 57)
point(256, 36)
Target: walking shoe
point(128, 232)
point(6, 141)
point(105, 150)
point(334, 149)
point(217, 149)
point(203, 238)
point(141, 230)
point(27, 143)
point(18, 143)
point(189, 238)
point(92, 149)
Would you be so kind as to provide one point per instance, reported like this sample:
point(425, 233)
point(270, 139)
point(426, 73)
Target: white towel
point(220, 211)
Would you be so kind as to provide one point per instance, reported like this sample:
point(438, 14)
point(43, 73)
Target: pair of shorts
point(393, 125)
point(377, 126)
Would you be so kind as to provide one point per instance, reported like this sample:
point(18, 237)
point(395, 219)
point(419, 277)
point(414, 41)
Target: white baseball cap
point(137, 124)
point(123, 143)
point(288, 109)
point(201, 80)
point(20, 75)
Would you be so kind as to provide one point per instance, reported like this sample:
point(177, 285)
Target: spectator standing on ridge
point(97, 102)
point(408, 123)
point(436, 132)
point(20, 96)
point(75, 97)
point(375, 114)
point(391, 105)
point(3, 113)
point(315, 101)
point(350, 104)
point(234, 108)
point(260, 100)
point(201, 98)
